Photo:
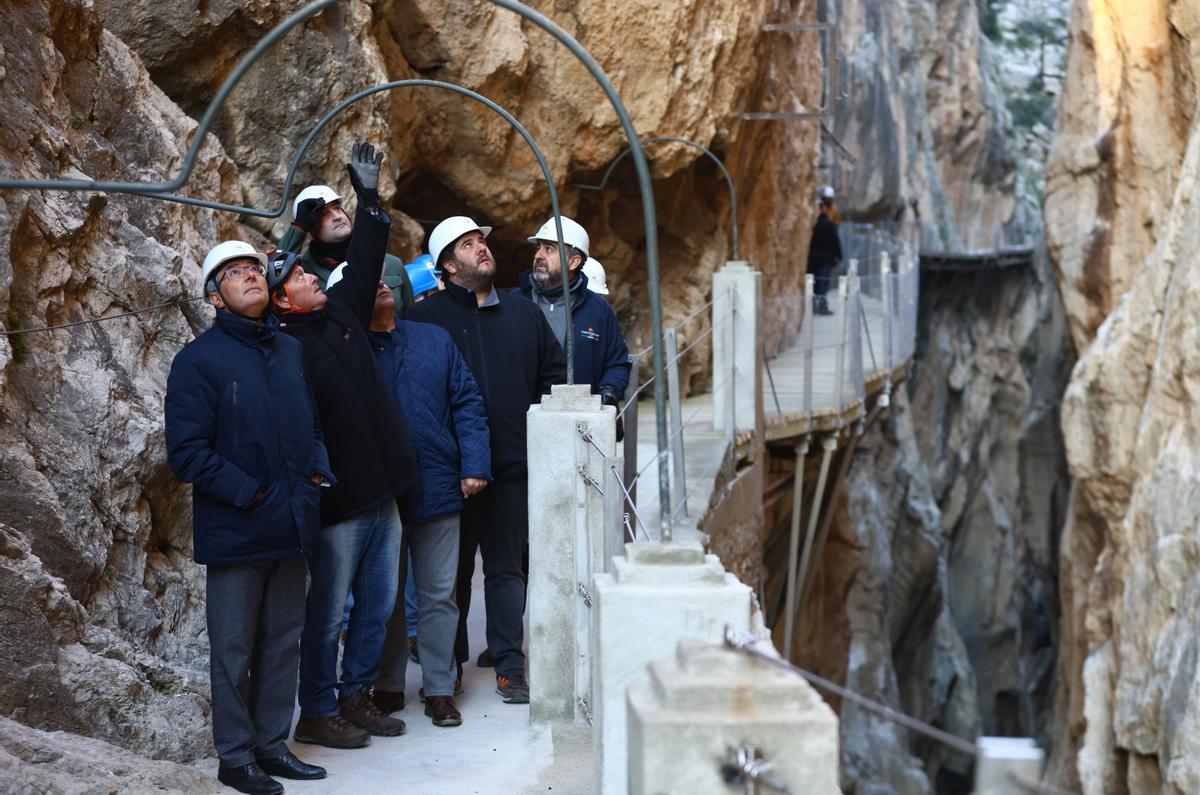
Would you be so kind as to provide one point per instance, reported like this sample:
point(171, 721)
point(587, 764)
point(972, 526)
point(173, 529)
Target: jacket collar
point(245, 331)
point(465, 296)
point(553, 295)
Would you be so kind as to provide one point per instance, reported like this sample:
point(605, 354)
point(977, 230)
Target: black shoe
point(286, 765)
point(249, 778)
point(443, 711)
point(332, 732)
point(513, 689)
point(485, 659)
point(388, 701)
point(412, 650)
point(360, 710)
point(458, 690)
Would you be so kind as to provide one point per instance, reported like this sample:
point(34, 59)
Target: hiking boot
point(388, 701)
point(485, 659)
point(513, 689)
point(412, 650)
point(249, 779)
point(458, 690)
point(360, 710)
point(332, 732)
point(443, 711)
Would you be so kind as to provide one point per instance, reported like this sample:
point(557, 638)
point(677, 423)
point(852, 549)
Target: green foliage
point(159, 687)
point(989, 22)
point(78, 120)
point(1032, 109)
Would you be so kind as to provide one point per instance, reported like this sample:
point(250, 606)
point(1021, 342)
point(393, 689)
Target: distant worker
point(318, 215)
point(601, 357)
point(597, 278)
point(827, 196)
point(824, 252)
point(444, 412)
point(515, 359)
point(370, 451)
point(242, 428)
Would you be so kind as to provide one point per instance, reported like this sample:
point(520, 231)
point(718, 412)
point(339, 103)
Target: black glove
point(308, 213)
point(364, 173)
point(609, 398)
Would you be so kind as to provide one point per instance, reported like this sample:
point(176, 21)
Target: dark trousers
point(255, 614)
point(822, 276)
point(496, 521)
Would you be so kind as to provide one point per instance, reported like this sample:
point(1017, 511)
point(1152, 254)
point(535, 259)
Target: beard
point(470, 275)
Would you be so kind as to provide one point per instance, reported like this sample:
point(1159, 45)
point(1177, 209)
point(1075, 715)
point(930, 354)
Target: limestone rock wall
point(1127, 159)
point(103, 631)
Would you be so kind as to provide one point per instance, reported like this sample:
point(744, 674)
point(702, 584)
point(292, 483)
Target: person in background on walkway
point(242, 428)
point(319, 217)
point(442, 407)
point(601, 357)
point(514, 358)
point(824, 252)
point(359, 540)
point(597, 277)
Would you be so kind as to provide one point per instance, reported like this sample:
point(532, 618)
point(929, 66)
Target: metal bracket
point(583, 430)
point(585, 593)
point(588, 479)
point(745, 766)
point(582, 703)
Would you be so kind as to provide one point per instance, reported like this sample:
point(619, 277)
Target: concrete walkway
point(494, 751)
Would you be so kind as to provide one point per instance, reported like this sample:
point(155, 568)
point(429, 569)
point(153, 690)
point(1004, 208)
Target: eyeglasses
point(241, 270)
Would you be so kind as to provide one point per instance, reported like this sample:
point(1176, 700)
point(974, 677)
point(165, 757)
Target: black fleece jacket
point(369, 448)
point(513, 355)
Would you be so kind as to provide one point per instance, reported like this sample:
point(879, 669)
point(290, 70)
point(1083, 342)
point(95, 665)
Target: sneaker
point(512, 689)
point(412, 650)
point(360, 710)
point(443, 712)
point(388, 701)
point(458, 690)
point(332, 732)
point(485, 659)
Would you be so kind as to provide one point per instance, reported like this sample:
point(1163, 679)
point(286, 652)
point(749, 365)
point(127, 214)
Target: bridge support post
point(572, 441)
point(710, 715)
point(737, 369)
point(656, 595)
point(1005, 763)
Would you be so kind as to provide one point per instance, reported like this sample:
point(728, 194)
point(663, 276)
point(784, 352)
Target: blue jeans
point(363, 554)
point(410, 598)
point(434, 548)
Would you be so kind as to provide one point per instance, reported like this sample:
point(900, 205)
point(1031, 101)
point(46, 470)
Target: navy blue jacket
point(513, 355)
point(601, 358)
point(240, 419)
point(443, 410)
point(368, 442)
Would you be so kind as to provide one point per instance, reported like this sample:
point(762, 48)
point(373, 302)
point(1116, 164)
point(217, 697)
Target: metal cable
point(743, 642)
point(74, 323)
point(670, 439)
point(695, 314)
point(631, 503)
point(631, 399)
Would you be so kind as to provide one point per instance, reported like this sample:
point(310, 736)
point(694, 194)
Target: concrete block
point(737, 287)
point(705, 702)
point(655, 596)
point(1003, 759)
point(567, 543)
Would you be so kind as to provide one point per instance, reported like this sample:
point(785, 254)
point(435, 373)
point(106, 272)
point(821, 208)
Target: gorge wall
point(1126, 160)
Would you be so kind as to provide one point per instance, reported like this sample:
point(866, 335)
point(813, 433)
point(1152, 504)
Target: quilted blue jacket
point(444, 413)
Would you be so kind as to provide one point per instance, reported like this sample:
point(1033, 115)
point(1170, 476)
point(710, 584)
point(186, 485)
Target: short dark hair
point(445, 255)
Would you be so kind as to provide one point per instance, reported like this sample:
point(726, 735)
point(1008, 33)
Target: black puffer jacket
point(513, 355)
point(369, 448)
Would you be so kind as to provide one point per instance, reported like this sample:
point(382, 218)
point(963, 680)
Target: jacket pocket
point(306, 511)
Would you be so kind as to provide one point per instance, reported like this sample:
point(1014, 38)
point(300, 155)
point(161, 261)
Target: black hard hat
point(279, 267)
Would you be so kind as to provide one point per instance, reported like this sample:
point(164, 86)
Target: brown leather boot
point(360, 710)
point(388, 701)
point(443, 711)
point(332, 732)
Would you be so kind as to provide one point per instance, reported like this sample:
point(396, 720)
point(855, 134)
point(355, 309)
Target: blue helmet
point(422, 274)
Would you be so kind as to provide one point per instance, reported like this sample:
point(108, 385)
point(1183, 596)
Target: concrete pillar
point(736, 287)
point(657, 595)
point(567, 544)
point(1003, 762)
point(707, 701)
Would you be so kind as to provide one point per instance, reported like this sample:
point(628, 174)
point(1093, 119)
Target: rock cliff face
point(1127, 154)
point(103, 627)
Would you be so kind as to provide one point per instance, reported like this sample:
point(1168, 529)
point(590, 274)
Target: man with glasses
point(242, 428)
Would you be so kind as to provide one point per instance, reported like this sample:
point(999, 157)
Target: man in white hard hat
point(601, 357)
point(514, 358)
point(319, 216)
point(597, 277)
point(824, 252)
point(241, 427)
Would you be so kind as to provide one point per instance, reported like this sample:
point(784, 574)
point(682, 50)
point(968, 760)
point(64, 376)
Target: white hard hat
point(336, 276)
point(314, 192)
point(597, 279)
point(827, 192)
point(221, 253)
point(573, 234)
point(454, 227)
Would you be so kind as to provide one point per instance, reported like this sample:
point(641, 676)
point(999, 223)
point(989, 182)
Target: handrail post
point(888, 301)
point(630, 425)
point(671, 340)
point(806, 333)
point(840, 369)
